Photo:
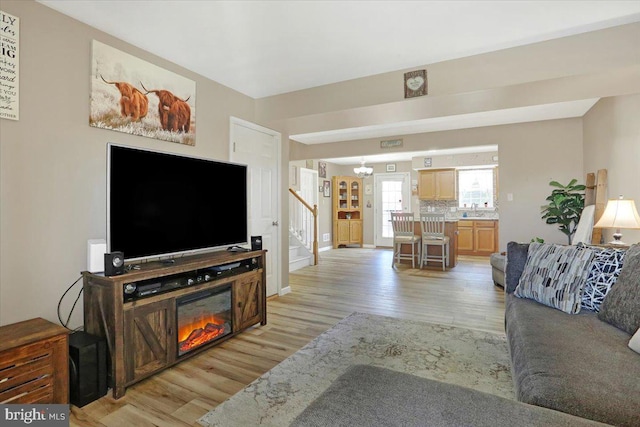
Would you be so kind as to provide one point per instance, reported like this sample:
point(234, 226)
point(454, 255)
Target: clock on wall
point(415, 83)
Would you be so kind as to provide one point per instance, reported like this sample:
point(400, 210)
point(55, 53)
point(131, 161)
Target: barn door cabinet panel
point(34, 366)
point(347, 211)
point(149, 339)
point(248, 302)
point(141, 334)
point(437, 184)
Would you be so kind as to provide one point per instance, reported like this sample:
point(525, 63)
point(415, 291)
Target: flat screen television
point(161, 204)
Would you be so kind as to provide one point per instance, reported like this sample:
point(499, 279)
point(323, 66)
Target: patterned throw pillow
point(555, 275)
point(603, 273)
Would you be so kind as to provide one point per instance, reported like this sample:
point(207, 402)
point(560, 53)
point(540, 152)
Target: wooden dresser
point(34, 366)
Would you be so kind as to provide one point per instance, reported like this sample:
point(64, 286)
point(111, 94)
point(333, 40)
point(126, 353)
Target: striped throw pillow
point(555, 275)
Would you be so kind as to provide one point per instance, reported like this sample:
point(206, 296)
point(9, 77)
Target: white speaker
point(96, 248)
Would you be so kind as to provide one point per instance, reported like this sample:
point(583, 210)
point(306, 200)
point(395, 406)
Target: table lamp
point(619, 213)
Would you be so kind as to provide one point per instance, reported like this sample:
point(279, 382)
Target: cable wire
point(74, 304)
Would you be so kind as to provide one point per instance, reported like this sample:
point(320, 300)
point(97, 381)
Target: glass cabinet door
point(355, 195)
point(343, 194)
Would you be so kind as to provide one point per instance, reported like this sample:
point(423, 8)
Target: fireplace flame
point(200, 331)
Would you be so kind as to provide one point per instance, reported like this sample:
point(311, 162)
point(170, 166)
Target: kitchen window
point(475, 186)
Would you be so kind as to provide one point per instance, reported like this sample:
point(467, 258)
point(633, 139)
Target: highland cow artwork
point(134, 96)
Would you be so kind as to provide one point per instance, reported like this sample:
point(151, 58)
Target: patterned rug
point(465, 357)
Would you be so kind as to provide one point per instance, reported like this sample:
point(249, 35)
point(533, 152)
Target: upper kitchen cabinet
point(437, 184)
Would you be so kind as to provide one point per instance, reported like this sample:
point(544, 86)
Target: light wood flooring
point(346, 280)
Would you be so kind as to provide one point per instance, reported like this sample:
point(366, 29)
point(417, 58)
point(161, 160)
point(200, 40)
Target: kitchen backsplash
point(452, 211)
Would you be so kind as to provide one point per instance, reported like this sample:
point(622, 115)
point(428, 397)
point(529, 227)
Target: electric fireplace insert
point(203, 317)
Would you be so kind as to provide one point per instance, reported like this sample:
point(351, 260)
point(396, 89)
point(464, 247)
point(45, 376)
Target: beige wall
point(53, 165)
point(612, 142)
point(589, 53)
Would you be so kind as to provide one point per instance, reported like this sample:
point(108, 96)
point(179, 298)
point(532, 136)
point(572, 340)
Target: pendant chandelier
point(363, 171)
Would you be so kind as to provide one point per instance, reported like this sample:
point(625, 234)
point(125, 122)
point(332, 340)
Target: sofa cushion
point(621, 307)
point(514, 264)
point(572, 363)
point(603, 273)
point(555, 275)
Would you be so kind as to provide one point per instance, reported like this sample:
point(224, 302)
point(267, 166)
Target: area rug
point(474, 359)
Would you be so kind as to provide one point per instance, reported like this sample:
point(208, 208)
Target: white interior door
point(259, 149)
point(392, 194)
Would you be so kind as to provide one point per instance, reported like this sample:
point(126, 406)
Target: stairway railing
point(303, 222)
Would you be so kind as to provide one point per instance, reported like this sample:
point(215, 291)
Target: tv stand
point(141, 331)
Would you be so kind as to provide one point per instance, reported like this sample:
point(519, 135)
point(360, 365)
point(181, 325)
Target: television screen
point(166, 204)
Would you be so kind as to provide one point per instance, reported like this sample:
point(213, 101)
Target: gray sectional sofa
point(574, 363)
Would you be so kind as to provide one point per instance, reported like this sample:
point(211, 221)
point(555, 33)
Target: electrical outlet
point(326, 237)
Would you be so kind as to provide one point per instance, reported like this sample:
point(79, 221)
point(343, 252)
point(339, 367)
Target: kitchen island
point(451, 230)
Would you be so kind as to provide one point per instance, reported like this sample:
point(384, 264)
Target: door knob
point(275, 223)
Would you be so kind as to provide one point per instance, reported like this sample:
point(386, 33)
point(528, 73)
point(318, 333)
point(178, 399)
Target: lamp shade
point(619, 213)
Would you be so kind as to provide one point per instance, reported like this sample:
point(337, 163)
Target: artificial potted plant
point(565, 206)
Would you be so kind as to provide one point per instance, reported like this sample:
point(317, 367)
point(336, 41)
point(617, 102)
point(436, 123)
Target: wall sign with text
point(9, 59)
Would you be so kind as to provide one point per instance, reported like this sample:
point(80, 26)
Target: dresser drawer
point(34, 366)
point(26, 370)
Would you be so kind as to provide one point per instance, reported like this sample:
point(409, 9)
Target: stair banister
point(314, 212)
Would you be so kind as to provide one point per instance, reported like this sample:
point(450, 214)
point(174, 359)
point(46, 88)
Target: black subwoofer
point(87, 368)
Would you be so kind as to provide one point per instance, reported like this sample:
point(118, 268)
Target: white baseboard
point(328, 248)
point(285, 291)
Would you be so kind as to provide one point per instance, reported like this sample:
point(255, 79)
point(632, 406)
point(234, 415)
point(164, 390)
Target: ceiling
point(265, 48)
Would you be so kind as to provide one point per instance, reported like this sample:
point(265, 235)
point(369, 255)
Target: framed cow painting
point(134, 96)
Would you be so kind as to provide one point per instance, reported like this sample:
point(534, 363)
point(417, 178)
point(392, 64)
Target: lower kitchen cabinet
point(477, 237)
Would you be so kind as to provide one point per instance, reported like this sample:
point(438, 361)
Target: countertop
point(469, 218)
point(478, 218)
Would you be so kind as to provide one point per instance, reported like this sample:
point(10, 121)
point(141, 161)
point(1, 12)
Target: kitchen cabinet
point(438, 184)
point(477, 237)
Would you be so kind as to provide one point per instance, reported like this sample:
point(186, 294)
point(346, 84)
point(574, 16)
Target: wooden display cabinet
point(347, 211)
point(34, 366)
point(437, 184)
point(141, 333)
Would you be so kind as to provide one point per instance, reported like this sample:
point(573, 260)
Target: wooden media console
point(137, 312)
